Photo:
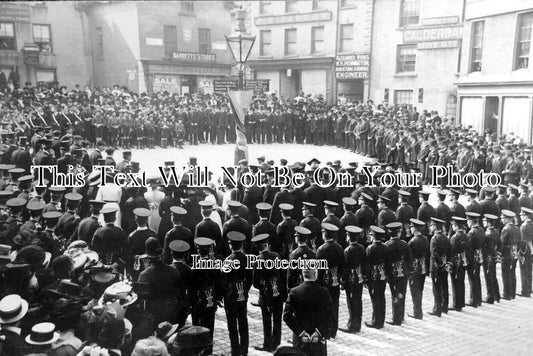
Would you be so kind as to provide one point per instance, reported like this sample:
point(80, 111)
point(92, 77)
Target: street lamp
point(240, 46)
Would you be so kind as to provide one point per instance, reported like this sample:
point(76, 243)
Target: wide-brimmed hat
point(12, 309)
point(42, 334)
point(120, 292)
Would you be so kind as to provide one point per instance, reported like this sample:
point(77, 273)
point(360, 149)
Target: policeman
point(425, 211)
point(419, 246)
point(443, 212)
point(87, 226)
point(180, 255)
point(385, 215)
point(524, 252)
point(238, 280)
point(236, 223)
point(178, 231)
point(455, 207)
point(459, 246)
point(207, 227)
point(365, 216)
point(405, 213)
point(439, 264)
point(313, 224)
point(379, 267)
point(137, 239)
point(285, 230)
point(332, 252)
point(109, 240)
point(303, 251)
point(348, 218)
point(401, 261)
point(272, 293)
point(68, 223)
point(264, 226)
point(510, 236)
point(476, 241)
point(490, 256)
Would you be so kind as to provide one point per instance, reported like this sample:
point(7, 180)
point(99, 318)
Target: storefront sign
point(432, 34)
point(31, 58)
point(151, 41)
point(438, 44)
point(224, 85)
point(14, 12)
point(206, 85)
point(166, 83)
point(439, 21)
point(194, 57)
point(219, 45)
point(352, 66)
point(257, 85)
point(314, 16)
point(188, 69)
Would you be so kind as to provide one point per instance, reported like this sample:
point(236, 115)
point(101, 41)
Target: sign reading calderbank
point(433, 34)
point(194, 57)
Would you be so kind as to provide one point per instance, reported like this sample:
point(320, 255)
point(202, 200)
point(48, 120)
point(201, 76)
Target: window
point(317, 39)
point(291, 6)
point(477, 46)
point(204, 40)
point(264, 7)
point(346, 44)
point(99, 43)
point(316, 5)
point(264, 45)
point(187, 6)
point(7, 36)
point(45, 75)
point(523, 43)
point(347, 3)
point(403, 97)
point(406, 58)
point(290, 41)
point(409, 12)
point(170, 41)
point(42, 38)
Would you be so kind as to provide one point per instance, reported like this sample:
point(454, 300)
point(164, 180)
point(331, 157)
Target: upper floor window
point(187, 6)
point(42, 37)
point(346, 40)
point(264, 42)
point(264, 7)
point(347, 3)
point(409, 12)
point(290, 41)
point(476, 55)
point(406, 58)
point(317, 39)
point(523, 40)
point(7, 36)
point(204, 40)
point(170, 40)
point(291, 6)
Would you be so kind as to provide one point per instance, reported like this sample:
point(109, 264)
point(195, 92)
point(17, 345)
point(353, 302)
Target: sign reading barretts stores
point(433, 34)
point(352, 66)
point(194, 57)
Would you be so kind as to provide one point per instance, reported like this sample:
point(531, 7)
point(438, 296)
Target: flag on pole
point(240, 102)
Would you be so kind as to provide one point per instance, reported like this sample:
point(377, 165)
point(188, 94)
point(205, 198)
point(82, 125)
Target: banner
point(240, 102)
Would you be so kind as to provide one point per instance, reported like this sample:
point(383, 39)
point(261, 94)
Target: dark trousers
point(377, 295)
point(236, 316)
point(458, 287)
point(509, 277)
point(335, 293)
point(416, 284)
point(272, 324)
point(194, 135)
point(525, 276)
point(205, 318)
point(354, 301)
point(440, 291)
point(473, 271)
point(398, 287)
point(493, 290)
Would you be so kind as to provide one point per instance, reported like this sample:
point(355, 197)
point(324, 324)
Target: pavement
point(504, 328)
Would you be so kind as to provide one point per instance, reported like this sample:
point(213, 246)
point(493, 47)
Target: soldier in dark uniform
point(309, 314)
point(353, 278)
point(401, 262)
point(285, 230)
point(405, 213)
point(14, 221)
point(455, 207)
point(510, 236)
point(425, 211)
point(476, 241)
point(523, 199)
point(419, 246)
point(488, 205)
point(137, 238)
point(313, 224)
point(378, 270)
point(162, 282)
point(272, 293)
point(109, 240)
point(330, 208)
point(180, 255)
point(316, 195)
point(283, 196)
point(264, 226)
point(472, 204)
point(524, 251)
point(490, 256)
point(21, 157)
point(501, 199)
point(303, 251)
point(385, 215)
point(459, 246)
point(348, 218)
point(365, 216)
point(88, 226)
point(178, 231)
point(207, 288)
point(207, 227)
point(443, 212)
point(439, 264)
point(333, 253)
point(236, 223)
point(238, 281)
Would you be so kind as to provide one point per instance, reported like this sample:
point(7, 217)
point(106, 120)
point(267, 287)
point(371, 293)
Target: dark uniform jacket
point(400, 257)
point(178, 232)
point(269, 282)
point(86, 229)
point(420, 251)
point(355, 267)
point(476, 242)
point(238, 280)
point(312, 223)
point(440, 252)
point(285, 236)
point(294, 276)
point(333, 253)
point(108, 239)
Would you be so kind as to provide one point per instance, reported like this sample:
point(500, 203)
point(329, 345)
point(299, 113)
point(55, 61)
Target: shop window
point(403, 97)
point(45, 75)
point(7, 36)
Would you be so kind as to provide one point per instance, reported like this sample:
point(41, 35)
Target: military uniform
point(476, 242)
point(440, 258)
point(378, 270)
point(419, 246)
point(491, 249)
point(525, 250)
point(304, 252)
point(459, 245)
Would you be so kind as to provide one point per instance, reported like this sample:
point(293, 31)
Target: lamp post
point(240, 45)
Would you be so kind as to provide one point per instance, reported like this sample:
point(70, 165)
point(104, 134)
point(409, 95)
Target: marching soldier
point(238, 280)
point(439, 265)
point(332, 252)
point(348, 218)
point(264, 226)
point(476, 242)
point(205, 228)
point(419, 246)
point(303, 251)
point(524, 252)
point(353, 278)
point(178, 231)
point(365, 216)
point(137, 239)
point(285, 230)
point(180, 255)
point(443, 212)
point(272, 293)
point(378, 269)
point(510, 236)
point(313, 224)
point(401, 260)
point(491, 250)
point(459, 246)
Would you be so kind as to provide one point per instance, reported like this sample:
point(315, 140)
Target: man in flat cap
point(439, 264)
